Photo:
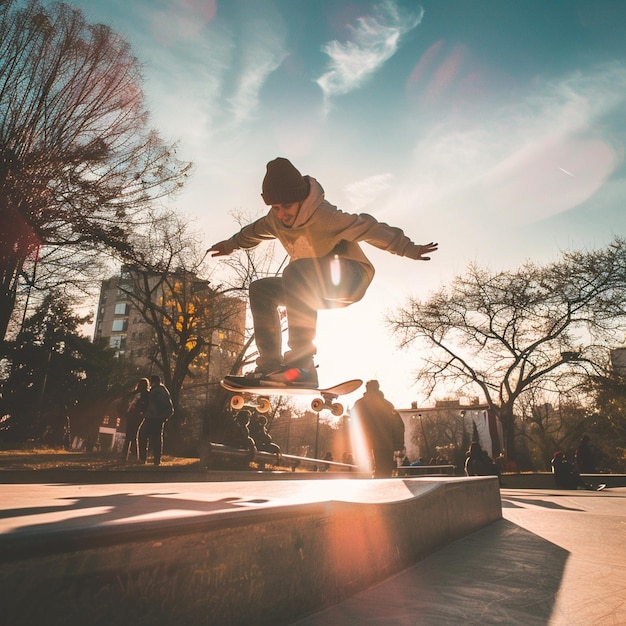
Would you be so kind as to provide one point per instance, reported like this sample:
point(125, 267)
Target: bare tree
point(242, 268)
point(195, 328)
point(608, 427)
point(79, 165)
point(547, 426)
point(236, 272)
point(507, 332)
point(199, 332)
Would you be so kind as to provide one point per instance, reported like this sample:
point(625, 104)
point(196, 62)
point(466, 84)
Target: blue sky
point(494, 127)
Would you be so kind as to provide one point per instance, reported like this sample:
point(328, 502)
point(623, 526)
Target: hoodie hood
point(310, 204)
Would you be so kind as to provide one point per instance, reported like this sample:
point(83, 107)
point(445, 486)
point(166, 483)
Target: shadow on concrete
point(501, 574)
point(117, 506)
point(509, 502)
point(83, 520)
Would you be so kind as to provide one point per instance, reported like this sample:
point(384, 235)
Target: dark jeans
point(151, 435)
point(130, 444)
point(306, 286)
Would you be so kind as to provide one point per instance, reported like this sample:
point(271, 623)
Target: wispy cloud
point(375, 39)
point(259, 63)
point(260, 51)
point(365, 192)
point(215, 91)
point(512, 166)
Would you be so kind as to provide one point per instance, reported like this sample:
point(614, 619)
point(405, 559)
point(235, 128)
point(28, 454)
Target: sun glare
point(335, 271)
point(360, 451)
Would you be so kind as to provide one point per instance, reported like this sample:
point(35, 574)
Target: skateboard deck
point(257, 396)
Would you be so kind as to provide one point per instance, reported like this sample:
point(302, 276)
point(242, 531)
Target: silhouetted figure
point(565, 474)
point(325, 466)
point(383, 428)
point(258, 432)
point(136, 405)
point(240, 435)
point(479, 463)
point(584, 457)
point(159, 410)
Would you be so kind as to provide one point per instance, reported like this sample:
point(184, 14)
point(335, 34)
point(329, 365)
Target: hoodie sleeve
point(367, 228)
point(253, 234)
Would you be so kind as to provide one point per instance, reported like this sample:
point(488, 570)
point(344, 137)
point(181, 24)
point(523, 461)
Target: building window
point(121, 308)
point(118, 326)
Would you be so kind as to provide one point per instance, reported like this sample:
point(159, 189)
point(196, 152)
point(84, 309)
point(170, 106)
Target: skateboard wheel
point(263, 405)
point(336, 409)
point(236, 402)
point(317, 405)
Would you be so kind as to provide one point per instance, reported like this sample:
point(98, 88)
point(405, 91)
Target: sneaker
point(287, 376)
point(249, 379)
point(302, 374)
point(253, 377)
point(291, 376)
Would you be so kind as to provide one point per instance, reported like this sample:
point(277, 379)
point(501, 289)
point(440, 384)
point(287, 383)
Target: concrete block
point(271, 565)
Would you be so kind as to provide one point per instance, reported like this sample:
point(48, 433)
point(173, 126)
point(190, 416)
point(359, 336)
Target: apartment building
point(120, 321)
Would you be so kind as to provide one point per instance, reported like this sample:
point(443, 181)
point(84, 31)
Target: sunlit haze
point(495, 128)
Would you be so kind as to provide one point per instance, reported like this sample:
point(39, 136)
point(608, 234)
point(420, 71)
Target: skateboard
point(258, 397)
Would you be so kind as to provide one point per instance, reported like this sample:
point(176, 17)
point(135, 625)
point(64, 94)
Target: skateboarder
point(327, 268)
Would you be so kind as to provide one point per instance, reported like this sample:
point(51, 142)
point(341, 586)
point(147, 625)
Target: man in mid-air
point(327, 269)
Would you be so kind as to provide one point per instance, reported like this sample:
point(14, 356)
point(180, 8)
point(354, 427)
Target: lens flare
point(335, 271)
point(360, 451)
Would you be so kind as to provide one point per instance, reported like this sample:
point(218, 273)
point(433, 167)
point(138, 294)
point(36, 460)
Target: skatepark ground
point(541, 556)
point(556, 558)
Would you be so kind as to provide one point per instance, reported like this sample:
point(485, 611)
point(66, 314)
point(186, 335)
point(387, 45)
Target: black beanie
point(283, 183)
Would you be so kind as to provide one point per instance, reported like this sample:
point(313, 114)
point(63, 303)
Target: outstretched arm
point(417, 252)
point(248, 237)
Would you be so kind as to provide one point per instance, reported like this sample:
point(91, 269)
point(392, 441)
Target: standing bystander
point(134, 413)
point(383, 428)
point(159, 410)
point(584, 456)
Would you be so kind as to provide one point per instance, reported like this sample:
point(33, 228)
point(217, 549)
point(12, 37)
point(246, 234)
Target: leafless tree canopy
point(508, 332)
point(79, 165)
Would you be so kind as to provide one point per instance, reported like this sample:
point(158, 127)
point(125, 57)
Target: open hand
point(417, 251)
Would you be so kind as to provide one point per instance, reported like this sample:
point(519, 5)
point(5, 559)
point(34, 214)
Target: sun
point(341, 340)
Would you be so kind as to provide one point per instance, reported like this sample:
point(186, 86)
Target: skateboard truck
point(259, 397)
point(261, 404)
point(327, 402)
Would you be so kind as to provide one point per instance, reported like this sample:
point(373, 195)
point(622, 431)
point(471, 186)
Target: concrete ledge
point(241, 566)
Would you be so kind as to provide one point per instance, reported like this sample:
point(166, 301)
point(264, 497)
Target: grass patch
point(50, 458)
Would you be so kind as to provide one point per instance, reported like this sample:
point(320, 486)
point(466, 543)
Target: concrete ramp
point(220, 553)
